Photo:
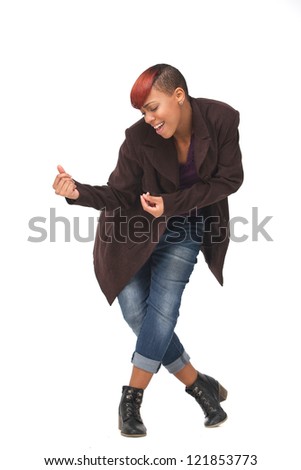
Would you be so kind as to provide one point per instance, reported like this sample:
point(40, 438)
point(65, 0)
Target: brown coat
point(126, 235)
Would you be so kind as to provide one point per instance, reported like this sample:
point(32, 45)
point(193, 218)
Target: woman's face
point(163, 111)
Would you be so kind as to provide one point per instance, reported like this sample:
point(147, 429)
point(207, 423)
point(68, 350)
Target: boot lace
point(132, 404)
point(204, 401)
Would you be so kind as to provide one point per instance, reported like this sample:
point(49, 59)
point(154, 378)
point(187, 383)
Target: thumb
point(152, 198)
point(60, 169)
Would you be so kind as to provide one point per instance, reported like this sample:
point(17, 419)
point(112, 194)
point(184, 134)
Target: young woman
point(164, 202)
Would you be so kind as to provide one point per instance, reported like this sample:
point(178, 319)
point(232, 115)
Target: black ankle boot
point(130, 422)
point(209, 393)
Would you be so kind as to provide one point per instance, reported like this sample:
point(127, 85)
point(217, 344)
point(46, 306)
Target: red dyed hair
point(143, 85)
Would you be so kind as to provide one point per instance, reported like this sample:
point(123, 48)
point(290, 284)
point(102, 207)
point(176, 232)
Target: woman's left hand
point(152, 204)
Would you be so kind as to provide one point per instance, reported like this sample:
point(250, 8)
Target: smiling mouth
point(158, 127)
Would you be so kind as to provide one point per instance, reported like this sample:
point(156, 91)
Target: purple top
point(188, 173)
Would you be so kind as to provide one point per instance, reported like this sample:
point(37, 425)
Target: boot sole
point(217, 424)
point(132, 435)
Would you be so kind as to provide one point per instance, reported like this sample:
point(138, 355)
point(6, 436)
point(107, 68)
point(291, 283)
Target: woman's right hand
point(64, 184)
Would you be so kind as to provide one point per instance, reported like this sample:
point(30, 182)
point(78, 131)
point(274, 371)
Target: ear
point(180, 95)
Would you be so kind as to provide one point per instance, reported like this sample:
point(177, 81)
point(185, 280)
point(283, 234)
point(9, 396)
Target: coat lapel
point(201, 135)
point(163, 156)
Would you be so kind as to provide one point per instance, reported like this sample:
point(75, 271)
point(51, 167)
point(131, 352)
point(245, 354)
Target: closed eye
point(150, 110)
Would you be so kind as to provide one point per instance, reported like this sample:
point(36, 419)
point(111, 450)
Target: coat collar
point(163, 154)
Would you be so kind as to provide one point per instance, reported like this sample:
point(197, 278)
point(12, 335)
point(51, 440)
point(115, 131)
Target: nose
point(149, 118)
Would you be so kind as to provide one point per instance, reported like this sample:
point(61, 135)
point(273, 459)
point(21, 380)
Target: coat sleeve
point(122, 189)
point(226, 179)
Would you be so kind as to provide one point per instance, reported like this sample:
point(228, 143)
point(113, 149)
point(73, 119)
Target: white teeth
point(159, 125)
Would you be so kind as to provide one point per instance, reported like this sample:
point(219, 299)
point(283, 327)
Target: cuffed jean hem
point(178, 364)
point(149, 365)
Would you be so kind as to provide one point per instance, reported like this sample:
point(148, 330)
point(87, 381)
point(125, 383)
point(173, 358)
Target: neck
point(184, 131)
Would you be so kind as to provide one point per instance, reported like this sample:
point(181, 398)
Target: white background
point(66, 71)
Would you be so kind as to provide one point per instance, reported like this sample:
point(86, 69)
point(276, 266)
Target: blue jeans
point(150, 302)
